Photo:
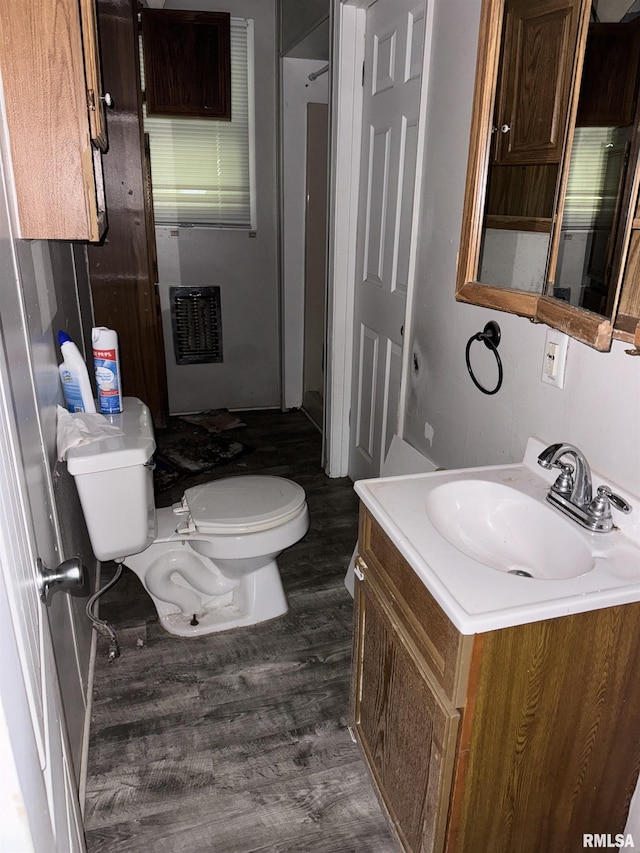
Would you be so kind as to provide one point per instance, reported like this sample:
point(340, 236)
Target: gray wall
point(599, 407)
point(244, 267)
point(298, 18)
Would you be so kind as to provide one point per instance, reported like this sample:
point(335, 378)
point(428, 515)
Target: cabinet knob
point(108, 100)
point(505, 128)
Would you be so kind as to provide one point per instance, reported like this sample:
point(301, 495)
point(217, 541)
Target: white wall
point(298, 19)
point(297, 92)
point(245, 267)
point(599, 408)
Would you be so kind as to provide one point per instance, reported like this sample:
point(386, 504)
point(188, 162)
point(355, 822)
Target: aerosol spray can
point(107, 366)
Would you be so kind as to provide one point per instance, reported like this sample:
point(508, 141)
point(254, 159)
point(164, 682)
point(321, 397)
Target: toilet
point(208, 562)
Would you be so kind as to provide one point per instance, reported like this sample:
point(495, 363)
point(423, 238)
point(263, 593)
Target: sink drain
point(520, 573)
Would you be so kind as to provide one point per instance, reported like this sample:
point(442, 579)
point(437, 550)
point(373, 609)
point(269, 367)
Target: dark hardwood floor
point(237, 742)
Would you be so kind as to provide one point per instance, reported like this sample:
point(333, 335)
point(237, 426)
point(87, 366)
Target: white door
point(391, 101)
point(39, 809)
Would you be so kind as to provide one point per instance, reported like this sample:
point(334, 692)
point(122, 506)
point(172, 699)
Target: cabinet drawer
point(445, 649)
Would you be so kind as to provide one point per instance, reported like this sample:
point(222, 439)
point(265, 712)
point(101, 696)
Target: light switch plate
point(554, 360)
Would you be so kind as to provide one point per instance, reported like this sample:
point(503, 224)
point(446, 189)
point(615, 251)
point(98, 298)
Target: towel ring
point(490, 336)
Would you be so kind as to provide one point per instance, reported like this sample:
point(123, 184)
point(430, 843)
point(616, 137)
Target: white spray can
point(106, 361)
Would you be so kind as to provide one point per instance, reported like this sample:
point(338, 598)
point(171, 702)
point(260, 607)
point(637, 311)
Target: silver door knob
point(107, 99)
point(505, 128)
point(67, 575)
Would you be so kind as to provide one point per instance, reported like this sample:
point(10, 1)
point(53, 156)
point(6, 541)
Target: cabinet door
point(406, 727)
point(535, 80)
point(57, 171)
point(95, 99)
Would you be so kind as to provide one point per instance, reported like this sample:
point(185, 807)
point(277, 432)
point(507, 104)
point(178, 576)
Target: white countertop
point(478, 598)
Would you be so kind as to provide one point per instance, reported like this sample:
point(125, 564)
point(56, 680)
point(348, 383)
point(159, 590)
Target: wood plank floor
point(237, 742)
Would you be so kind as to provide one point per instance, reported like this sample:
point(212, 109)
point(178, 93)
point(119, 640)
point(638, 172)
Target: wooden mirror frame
point(593, 329)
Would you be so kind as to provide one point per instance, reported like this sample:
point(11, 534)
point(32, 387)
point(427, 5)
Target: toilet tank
point(114, 478)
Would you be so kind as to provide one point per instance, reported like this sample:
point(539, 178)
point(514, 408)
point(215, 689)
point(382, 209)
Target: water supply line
point(101, 625)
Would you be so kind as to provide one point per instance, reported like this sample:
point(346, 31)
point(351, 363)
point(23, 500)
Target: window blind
point(594, 177)
point(201, 168)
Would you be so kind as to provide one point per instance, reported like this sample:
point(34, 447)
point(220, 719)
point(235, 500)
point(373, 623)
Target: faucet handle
point(600, 507)
point(604, 492)
point(564, 483)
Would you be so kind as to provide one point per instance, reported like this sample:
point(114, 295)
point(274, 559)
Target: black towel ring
point(490, 336)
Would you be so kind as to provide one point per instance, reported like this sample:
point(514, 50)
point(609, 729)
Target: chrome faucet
point(571, 493)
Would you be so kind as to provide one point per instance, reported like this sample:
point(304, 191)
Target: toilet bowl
point(209, 562)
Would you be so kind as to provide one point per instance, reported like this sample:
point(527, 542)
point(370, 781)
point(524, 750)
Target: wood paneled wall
point(123, 279)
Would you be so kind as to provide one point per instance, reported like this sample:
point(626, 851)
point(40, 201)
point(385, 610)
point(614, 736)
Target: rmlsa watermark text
point(604, 839)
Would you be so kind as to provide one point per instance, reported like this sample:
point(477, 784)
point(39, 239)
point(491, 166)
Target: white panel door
point(39, 810)
point(391, 101)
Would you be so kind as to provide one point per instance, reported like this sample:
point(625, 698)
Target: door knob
point(67, 575)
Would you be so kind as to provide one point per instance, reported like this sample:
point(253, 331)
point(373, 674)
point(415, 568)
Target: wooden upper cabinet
point(57, 171)
point(187, 63)
point(535, 80)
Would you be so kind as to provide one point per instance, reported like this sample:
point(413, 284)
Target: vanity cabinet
point(518, 739)
point(54, 110)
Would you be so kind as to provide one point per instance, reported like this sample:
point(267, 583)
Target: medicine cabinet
point(551, 229)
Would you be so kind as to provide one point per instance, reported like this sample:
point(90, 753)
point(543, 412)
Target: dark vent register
point(197, 324)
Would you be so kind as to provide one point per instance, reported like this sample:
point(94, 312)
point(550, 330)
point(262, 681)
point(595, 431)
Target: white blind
point(594, 176)
point(201, 168)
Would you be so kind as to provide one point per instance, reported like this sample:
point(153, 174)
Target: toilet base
point(258, 597)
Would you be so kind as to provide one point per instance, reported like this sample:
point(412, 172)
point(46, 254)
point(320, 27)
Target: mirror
point(548, 183)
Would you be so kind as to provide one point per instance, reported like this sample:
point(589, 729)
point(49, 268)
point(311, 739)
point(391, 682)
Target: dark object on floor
point(215, 420)
point(187, 449)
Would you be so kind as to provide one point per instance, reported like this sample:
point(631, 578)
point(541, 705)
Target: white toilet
point(208, 562)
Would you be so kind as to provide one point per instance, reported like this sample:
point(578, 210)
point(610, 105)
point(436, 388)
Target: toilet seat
point(242, 504)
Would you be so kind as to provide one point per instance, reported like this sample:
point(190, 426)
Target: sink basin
point(463, 530)
point(507, 530)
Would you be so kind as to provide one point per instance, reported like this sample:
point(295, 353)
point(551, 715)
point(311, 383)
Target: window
point(202, 169)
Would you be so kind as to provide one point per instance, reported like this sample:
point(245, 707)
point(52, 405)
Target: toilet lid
point(236, 504)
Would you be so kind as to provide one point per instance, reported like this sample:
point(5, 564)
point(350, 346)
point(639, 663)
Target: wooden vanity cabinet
point(53, 110)
point(519, 739)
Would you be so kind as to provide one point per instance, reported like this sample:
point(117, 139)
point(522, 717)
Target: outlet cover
point(554, 360)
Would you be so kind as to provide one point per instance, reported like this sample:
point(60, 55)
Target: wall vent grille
point(196, 319)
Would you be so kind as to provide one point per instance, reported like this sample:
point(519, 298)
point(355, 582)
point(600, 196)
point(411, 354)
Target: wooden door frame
point(348, 21)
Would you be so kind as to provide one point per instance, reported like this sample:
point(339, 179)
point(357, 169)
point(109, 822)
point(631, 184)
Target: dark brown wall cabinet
point(187, 63)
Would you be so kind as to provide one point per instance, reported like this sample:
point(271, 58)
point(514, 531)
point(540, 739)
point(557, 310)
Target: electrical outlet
point(554, 361)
